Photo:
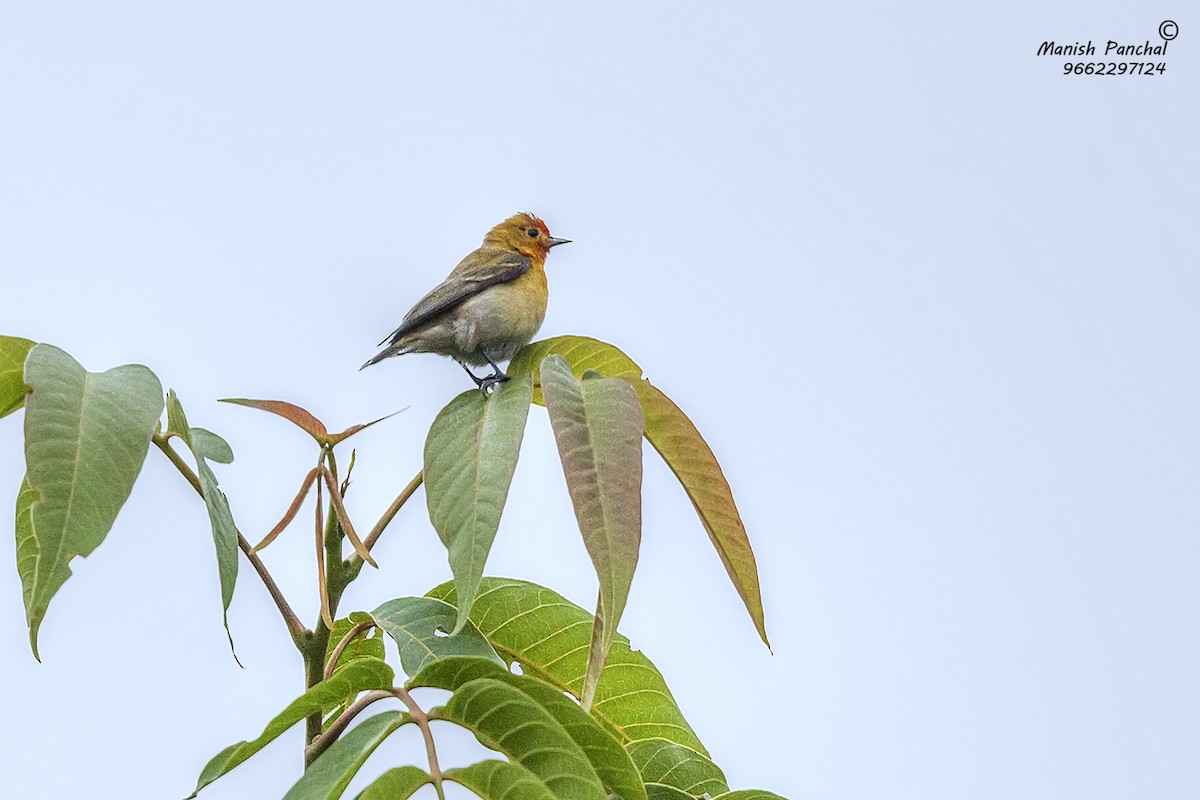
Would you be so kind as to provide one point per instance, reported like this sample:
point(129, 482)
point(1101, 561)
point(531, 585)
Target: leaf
point(207, 446)
point(304, 419)
point(366, 644)
point(549, 636)
point(289, 411)
point(358, 676)
point(414, 622)
point(500, 780)
point(13, 351)
point(663, 761)
point(659, 791)
point(328, 776)
point(680, 444)
point(612, 764)
point(689, 457)
point(86, 437)
point(505, 719)
point(598, 426)
point(337, 438)
point(470, 455)
point(397, 783)
point(750, 794)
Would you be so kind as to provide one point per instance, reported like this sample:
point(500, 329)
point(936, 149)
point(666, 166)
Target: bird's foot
point(488, 385)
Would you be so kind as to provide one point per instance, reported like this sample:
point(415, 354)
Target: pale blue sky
point(933, 304)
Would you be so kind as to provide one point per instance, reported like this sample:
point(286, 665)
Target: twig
point(331, 734)
point(335, 499)
point(295, 628)
point(290, 514)
point(422, 719)
point(341, 646)
point(393, 509)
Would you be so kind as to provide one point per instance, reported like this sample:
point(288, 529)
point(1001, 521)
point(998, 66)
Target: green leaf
point(366, 644)
point(13, 351)
point(328, 776)
point(690, 458)
point(612, 764)
point(501, 780)
point(358, 676)
point(659, 791)
point(750, 794)
point(662, 761)
point(86, 437)
point(415, 624)
point(680, 444)
point(548, 635)
point(470, 455)
point(598, 426)
point(207, 446)
point(505, 719)
point(397, 783)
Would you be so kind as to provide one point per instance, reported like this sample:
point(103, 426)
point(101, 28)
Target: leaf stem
point(422, 719)
point(331, 662)
point(393, 509)
point(295, 628)
point(335, 729)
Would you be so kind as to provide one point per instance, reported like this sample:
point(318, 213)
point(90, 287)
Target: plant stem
point(322, 742)
point(422, 719)
point(331, 662)
point(295, 628)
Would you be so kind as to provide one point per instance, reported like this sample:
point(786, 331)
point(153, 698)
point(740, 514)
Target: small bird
point(489, 306)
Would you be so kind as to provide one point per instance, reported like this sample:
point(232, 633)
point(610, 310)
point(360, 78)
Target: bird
point(488, 307)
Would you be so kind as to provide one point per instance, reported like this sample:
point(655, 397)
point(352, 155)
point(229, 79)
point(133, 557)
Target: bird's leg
point(496, 378)
point(478, 381)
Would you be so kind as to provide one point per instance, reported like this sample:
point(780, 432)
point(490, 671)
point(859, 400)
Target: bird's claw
point(488, 385)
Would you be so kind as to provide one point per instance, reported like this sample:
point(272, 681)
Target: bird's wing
point(483, 268)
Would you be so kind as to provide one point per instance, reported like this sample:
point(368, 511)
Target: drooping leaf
point(397, 783)
point(598, 426)
point(548, 636)
point(750, 794)
point(207, 446)
point(601, 747)
point(86, 437)
point(670, 763)
point(359, 676)
point(366, 644)
point(420, 626)
point(328, 776)
point(505, 719)
point(501, 780)
point(679, 443)
point(13, 351)
point(470, 455)
point(690, 458)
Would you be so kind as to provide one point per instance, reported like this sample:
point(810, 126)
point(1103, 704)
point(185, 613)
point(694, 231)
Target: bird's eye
point(533, 232)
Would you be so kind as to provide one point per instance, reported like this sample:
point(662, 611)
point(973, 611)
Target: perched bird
point(489, 306)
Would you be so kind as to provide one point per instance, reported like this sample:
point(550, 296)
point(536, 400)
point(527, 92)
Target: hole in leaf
point(440, 632)
point(515, 668)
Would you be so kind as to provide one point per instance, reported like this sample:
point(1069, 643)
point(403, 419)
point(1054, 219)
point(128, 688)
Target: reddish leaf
point(289, 411)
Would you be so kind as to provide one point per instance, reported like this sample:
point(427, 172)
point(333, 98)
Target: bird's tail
point(387, 352)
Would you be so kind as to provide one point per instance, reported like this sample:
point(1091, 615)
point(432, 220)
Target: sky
point(932, 303)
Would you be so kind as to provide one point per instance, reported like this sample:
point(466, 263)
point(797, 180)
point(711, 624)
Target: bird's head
point(524, 233)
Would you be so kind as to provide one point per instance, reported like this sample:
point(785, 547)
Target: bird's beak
point(556, 242)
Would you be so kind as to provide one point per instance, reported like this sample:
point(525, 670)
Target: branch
point(422, 719)
point(295, 628)
point(331, 734)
